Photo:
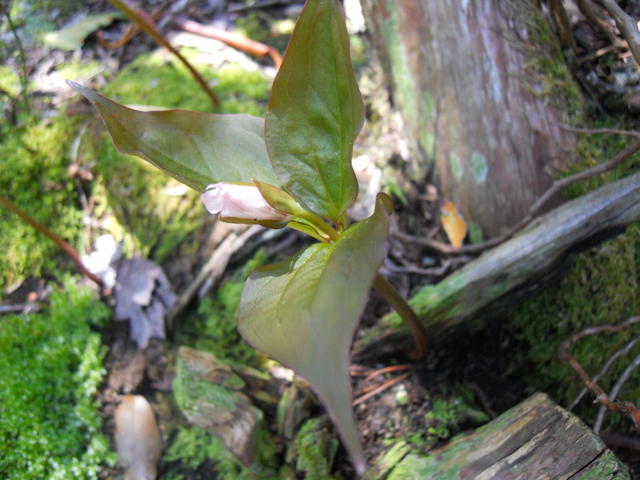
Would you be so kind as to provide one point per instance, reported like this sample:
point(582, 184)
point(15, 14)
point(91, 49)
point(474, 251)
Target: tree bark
point(458, 72)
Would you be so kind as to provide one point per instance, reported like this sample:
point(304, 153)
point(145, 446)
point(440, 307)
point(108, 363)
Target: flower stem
point(407, 314)
point(68, 249)
point(321, 225)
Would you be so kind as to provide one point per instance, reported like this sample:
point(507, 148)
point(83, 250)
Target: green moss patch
point(34, 175)
point(51, 368)
point(600, 289)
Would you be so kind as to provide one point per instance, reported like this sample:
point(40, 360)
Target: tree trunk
point(458, 72)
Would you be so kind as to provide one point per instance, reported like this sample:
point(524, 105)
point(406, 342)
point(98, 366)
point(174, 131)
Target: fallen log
point(498, 277)
point(535, 439)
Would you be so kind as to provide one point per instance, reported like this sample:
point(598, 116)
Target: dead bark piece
point(527, 256)
point(220, 409)
point(459, 76)
point(137, 437)
point(536, 439)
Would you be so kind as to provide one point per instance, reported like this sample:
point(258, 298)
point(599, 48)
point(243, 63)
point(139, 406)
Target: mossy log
point(466, 297)
point(463, 74)
point(536, 439)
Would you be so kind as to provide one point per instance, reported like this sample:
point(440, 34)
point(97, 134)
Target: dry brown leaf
point(453, 224)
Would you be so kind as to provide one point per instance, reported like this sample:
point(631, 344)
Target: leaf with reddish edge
point(197, 149)
point(303, 311)
point(316, 113)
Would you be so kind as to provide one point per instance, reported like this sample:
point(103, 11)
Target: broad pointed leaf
point(316, 112)
point(304, 310)
point(197, 149)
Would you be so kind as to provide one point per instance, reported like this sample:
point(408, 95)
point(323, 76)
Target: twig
point(596, 131)
point(233, 40)
point(557, 186)
point(24, 79)
point(586, 7)
point(146, 24)
point(614, 393)
point(601, 396)
point(30, 307)
point(628, 26)
point(382, 371)
point(381, 388)
point(627, 348)
point(68, 249)
point(214, 268)
point(427, 272)
point(256, 5)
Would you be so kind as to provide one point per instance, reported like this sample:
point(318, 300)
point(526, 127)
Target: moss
point(159, 80)
point(149, 218)
point(10, 81)
point(194, 448)
point(316, 449)
point(52, 367)
point(78, 70)
point(601, 288)
point(212, 327)
point(34, 176)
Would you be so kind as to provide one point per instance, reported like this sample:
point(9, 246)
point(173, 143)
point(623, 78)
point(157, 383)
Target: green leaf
point(304, 310)
point(197, 149)
point(316, 112)
point(71, 38)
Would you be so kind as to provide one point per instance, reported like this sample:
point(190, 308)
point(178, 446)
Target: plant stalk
point(68, 249)
point(407, 314)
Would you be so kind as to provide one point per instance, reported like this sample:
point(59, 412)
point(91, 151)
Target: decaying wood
point(501, 271)
point(536, 439)
point(458, 71)
point(209, 394)
point(212, 270)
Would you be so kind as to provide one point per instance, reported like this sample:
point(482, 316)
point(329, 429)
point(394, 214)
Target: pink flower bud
point(240, 202)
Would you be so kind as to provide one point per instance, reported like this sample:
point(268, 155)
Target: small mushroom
point(138, 441)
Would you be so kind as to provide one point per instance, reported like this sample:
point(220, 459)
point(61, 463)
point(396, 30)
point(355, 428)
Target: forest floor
point(60, 167)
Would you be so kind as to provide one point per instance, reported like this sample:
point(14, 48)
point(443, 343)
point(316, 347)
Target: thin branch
point(233, 40)
point(627, 348)
point(213, 269)
point(146, 24)
point(601, 396)
point(381, 388)
point(596, 131)
point(586, 7)
point(614, 393)
point(557, 186)
point(68, 249)
point(24, 79)
point(628, 26)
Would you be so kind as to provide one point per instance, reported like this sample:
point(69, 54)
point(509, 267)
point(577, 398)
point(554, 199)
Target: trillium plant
point(291, 169)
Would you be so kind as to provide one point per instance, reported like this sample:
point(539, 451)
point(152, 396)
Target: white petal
point(213, 198)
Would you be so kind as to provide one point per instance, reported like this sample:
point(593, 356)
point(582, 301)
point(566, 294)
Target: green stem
point(407, 314)
point(68, 249)
point(321, 225)
point(24, 79)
